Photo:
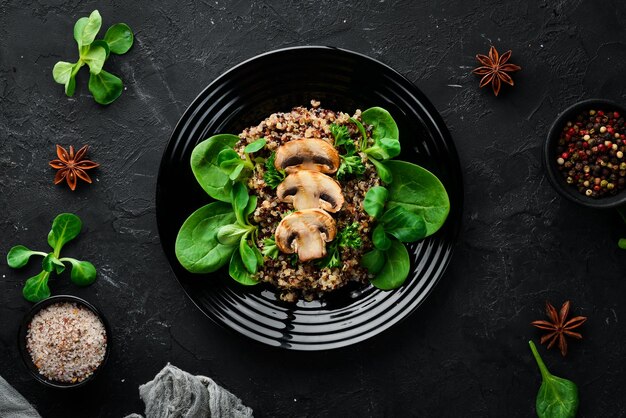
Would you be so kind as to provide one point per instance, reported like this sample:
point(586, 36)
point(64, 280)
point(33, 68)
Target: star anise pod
point(72, 166)
point(494, 69)
point(559, 327)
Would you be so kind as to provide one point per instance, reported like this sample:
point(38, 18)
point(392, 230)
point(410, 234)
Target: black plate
point(277, 81)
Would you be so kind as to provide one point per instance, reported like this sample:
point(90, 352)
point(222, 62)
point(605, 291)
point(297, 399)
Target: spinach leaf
point(120, 38)
point(419, 191)
point(557, 397)
point(272, 176)
point(237, 270)
point(65, 228)
point(197, 248)
point(373, 260)
point(404, 225)
point(239, 198)
point(380, 239)
point(83, 272)
point(36, 288)
point(105, 87)
point(50, 263)
point(396, 268)
point(19, 255)
point(270, 249)
point(255, 146)
point(206, 169)
point(233, 165)
point(383, 125)
point(375, 200)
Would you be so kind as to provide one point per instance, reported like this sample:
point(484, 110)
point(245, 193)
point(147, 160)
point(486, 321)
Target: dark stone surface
point(464, 352)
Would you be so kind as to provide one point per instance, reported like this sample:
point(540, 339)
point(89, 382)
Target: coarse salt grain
point(66, 342)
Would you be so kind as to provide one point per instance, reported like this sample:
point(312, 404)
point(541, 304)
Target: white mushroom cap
point(310, 153)
point(308, 189)
point(306, 232)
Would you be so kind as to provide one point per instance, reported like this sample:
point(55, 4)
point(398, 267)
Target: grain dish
point(307, 202)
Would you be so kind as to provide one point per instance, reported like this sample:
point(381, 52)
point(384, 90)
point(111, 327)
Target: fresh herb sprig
point(348, 237)
point(351, 163)
point(65, 228)
point(557, 397)
point(104, 86)
point(272, 176)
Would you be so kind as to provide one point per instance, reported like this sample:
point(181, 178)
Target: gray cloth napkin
point(174, 393)
point(12, 404)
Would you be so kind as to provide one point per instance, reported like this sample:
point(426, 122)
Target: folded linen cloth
point(12, 404)
point(174, 393)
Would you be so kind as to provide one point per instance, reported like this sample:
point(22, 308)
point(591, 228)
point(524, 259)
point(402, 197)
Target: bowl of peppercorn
point(585, 154)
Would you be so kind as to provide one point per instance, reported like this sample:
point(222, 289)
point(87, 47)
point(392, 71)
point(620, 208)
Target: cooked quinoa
point(293, 278)
point(66, 342)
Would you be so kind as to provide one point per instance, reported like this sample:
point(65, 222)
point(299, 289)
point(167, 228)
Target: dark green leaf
point(239, 198)
point(19, 255)
point(237, 270)
point(119, 37)
point(374, 202)
point(362, 131)
point(373, 261)
point(383, 172)
point(94, 57)
point(86, 29)
point(197, 248)
point(248, 256)
point(406, 226)
point(83, 272)
point(557, 397)
point(228, 158)
point(419, 191)
point(51, 263)
point(332, 259)
point(236, 173)
point(65, 227)
point(105, 87)
point(396, 268)
point(380, 239)
point(205, 168)
point(251, 206)
point(349, 236)
point(255, 146)
point(259, 255)
point(36, 288)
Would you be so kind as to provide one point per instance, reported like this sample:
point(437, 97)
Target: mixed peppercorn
point(590, 153)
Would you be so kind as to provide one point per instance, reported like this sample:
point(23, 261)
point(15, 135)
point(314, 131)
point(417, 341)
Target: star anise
point(494, 69)
point(559, 327)
point(72, 166)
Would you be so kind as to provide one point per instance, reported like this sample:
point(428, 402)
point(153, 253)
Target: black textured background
point(464, 352)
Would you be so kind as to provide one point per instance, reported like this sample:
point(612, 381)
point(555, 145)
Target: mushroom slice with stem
point(310, 153)
point(308, 189)
point(306, 232)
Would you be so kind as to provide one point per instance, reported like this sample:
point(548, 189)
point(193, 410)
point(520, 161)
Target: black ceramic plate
point(277, 81)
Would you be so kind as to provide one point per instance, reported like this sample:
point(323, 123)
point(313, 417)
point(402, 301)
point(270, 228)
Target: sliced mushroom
point(311, 154)
point(308, 189)
point(306, 232)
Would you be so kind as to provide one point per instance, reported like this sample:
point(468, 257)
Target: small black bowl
point(549, 155)
point(26, 355)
